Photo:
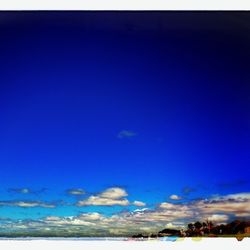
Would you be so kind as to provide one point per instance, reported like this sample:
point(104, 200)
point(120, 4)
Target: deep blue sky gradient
point(70, 82)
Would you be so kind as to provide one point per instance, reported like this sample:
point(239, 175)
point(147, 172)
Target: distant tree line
point(206, 228)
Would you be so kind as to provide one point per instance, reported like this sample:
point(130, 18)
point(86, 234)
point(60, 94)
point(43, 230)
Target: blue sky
point(149, 104)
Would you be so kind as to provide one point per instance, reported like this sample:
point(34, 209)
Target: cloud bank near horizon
point(217, 208)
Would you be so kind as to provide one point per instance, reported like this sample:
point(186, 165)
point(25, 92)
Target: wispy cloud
point(75, 191)
point(20, 190)
point(27, 204)
point(126, 134)
point(236, 204)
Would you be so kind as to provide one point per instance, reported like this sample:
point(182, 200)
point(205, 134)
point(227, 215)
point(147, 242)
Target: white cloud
point(218, 218)
point(167, 205)
point(175, 197)
point(72, 221)
point(169, 225)
point(109, 197)
point(143, 220)
point(90, 216)
point(139, 203)
point(230, 205)
point(175, 225)
point(99, 201)
point(52, 218)
point(113, 193)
